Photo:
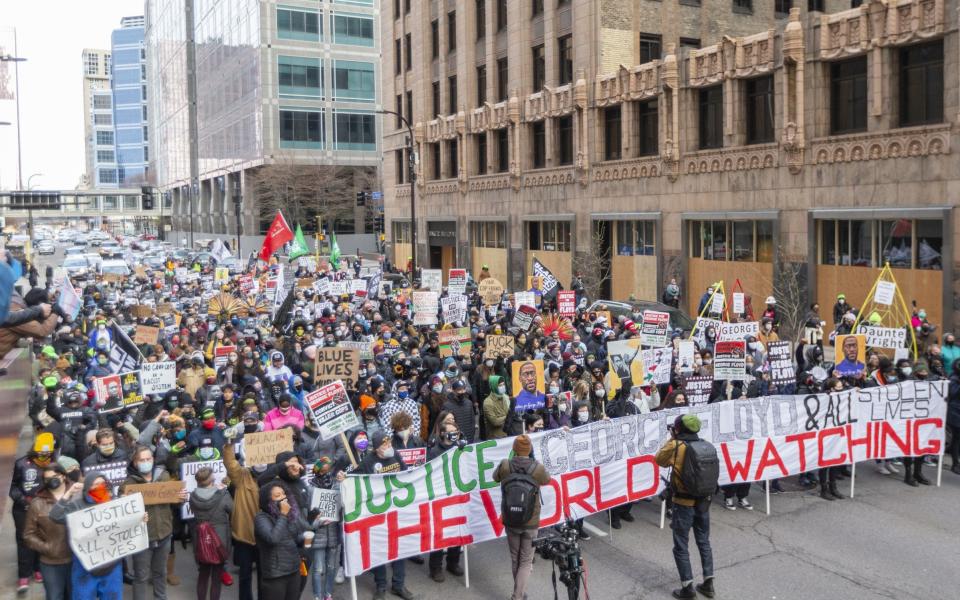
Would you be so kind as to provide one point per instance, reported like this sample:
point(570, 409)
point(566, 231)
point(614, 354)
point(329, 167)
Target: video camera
point(561, 546)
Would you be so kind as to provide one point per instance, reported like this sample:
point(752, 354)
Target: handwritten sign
point(161, 492)
point(738, 304)
point(431, 279)
point(146, 334)
point(188, 475)
point(331, 410)
point(425, 306)
point(326, 503)
point(262, 448)
point(333, 364)
point(490, 291)
point(158, 377)
point(499, 345)
point(884, 293)
point(105, 533)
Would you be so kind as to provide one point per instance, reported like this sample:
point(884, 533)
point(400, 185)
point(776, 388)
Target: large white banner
point(453, 499)
point(104, 533)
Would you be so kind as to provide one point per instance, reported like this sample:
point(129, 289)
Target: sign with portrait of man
point(851, 355)
point(528, 385)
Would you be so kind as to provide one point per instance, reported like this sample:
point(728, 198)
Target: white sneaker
point(883, 469)
point(339, 578)
point(893, 468)
point(745, 504)
point(728, 504)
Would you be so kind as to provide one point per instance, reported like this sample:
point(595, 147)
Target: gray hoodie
point(60, 510)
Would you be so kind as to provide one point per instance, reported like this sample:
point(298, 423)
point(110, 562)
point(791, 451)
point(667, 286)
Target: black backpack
point(701, 469)
point(518, 496)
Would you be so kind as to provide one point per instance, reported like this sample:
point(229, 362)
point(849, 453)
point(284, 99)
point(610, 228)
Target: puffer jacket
point(210, 505)
point(45, 536)
point(278, 539)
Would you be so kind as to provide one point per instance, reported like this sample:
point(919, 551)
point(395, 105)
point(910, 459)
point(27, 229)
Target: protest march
point(295, 420)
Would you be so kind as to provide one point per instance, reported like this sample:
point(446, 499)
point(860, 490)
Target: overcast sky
point(51, 35)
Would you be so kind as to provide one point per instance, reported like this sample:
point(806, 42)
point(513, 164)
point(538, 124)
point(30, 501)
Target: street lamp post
point(16, 60)
point(413, 188)
point(237, 205)
point(194, 194)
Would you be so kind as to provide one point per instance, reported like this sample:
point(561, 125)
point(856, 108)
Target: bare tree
point(304, 192)
point(593, 266)
point(790, 290)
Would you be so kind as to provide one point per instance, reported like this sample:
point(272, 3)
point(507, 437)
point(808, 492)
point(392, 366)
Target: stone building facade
point(787, 149)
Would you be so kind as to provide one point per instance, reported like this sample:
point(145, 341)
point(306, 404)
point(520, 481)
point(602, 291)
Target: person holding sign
point(448, 437)
point(246, 501)
point(213, 505)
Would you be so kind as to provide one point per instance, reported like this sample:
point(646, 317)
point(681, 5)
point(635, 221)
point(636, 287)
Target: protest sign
point(262, 448)
point(567, 303)
point(364, 348)
point(158, 377)
point(102, 534)
point(525, 299)
point(730, 360)
point(852, 352)
point(490, 291)
point(738, 331)
point(331, 410)
point(884, 337)
point(164, 308)
point(188, 475)
point(425, 307)
point(885, 292)
point(528, 385)
point(160, 492)
point(716, 303)
point(454, 309)
point(656, 365)
point(114, 471)
point(413, 457)
point(788, 435)
point(653, 331)
point(625, 362)
point(780, 363)
point(455, 342)
point(457, 281)
point(333, 364)
point(548, 282)
point(697, 390)
point(523, 318)
point(132, 389)
point(431, 279)
point(322, 286)
point(703, 323)
point(685, 356)
point(305, 282)
point(221, 275)
point(69, 300)
point(109, 394)
point(738, 305)
point(140, 311)
point(499, 345)
point(326, 503)
point(221, 354)
point(124, 355)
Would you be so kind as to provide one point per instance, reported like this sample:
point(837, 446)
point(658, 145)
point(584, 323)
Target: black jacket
point(462, 409)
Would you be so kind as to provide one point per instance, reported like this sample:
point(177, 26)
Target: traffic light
point(146, 198)
point(361, 198)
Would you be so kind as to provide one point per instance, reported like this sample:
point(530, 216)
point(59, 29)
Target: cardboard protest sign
point(499, 345)
point(333, 364)
point(457, 281)
point(697, 390)
point(326, 503)
point(852, 350)
point(490, 291)
point(105, 533)
point(331, 409)
point(221, 354)
point(109, 393)
point(653, 331)
point(656, 365)
point(884, 337)
point(702, 325)
point(455, 342)
point(364, 348)
point(431, 279)
point(141, 311)
point(261, 448)
point(529, 388)
point(131, 388)
point(158, 377)
point(413, 457)
point(567, 303)
point(425, 308)
point(188, 475)
point(305, 282)
point(730, 360)
point(738, 331)
point(114, 471)
point(525, 299)
point(523, 318)
point(685, 356)
point(738, 304)
point(780, 363)
point(164, 308)
point(885, 292)
point(160, 492)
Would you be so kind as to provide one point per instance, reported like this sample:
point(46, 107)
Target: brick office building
point(701, 140)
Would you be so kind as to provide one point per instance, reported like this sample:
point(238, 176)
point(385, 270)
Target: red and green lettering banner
point(453, 499)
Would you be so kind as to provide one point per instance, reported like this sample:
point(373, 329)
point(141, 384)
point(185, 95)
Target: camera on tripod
point(562, 547)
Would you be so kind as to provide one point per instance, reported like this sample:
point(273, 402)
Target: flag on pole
point(69, 300)
point(334, 251)
point(548, 281)
point(299, 247)
point(219, 251)
point(278, 235)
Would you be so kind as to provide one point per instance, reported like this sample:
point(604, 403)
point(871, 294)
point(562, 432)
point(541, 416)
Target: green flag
point(334, 251)
point(299, 246)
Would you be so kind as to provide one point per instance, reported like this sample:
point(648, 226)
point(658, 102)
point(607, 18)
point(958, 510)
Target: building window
point(400, 165)
point(488, 234)
point(565, 140)
point(648, 137)
point(537, 7)
point(354, 81)
point(396, 9)
point(103, 119)
point(538, 135)
point(353, 30)
point(904, 243)
point(549, 236)
point(650, 44)
point(406, 7)
point(145, 136)
point(711, 117)
point(144, 113)
point(104, 138)
point(743, 6)
point(481, 141)
point(105, 156)
point(782, 7)
point(814, 5)
point(501, 15)
point(107, 176)
point(355, 131)
point(503, 74)
point(435, 171)
point(397, 56)
point(299, 76)
point(102, 102)
point(435, 89)
point(452, 94)
point(401, 232)
point(481, 85)
point(481, 22)
point(298, 25)
point(451, 31)
point(565, 59)
point(636, 238)
point(690, 43)
point(92, 63)
point(848, 95)
point(301, 129)
point(612, 144)
point(408, 44)
point(759, 109)
point(503, 150)
point(397, 121)
point(453, 159)
point(743, 241)
point(855, 3)
point(921, 84)
point(435, 38)
point(409, 114)
point(539, 68)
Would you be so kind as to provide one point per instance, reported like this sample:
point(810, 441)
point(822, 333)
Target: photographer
point(519, 474)
point(693, 479)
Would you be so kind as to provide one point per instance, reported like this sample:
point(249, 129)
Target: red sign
point(567, 303)
point(413, 457)
point(221, 354)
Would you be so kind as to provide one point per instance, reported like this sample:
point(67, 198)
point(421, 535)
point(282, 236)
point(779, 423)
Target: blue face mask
point(180, 434)
point(403, 395)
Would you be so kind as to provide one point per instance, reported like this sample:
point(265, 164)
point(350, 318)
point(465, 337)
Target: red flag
point(278, 235)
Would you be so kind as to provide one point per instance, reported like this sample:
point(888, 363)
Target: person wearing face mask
point(432, 397)
point(47, 538)
point(446, 437)
point(279, 529)
point(284, 415)
point(297, 392)
point(153, 564)
point(230, 372)
point(327, 535)
point(211, 504)
point(949, 352)
point(246, 500)
point(277, 370)
point(100, 335)
point(106, 451)
point(496, 407)
point(249, 366)
point(398, 401)
point(208, 428)
point(767, 334)
point(404, 435)
point(99, 367)
point(25, 484)
point(462, 407)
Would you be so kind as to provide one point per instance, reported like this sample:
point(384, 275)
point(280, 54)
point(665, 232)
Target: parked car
point(114, 267)
point(76, 266)
point(678, 319)
point(46, 247)
point(73, 250)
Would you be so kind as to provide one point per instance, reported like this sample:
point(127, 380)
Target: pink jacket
point(276, 420)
